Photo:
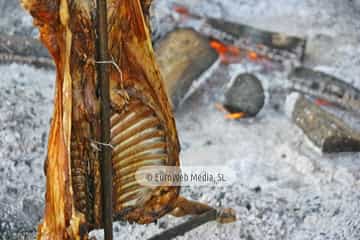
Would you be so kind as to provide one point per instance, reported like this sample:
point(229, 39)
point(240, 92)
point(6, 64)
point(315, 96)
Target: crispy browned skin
point(73, 199)
point(143, 131)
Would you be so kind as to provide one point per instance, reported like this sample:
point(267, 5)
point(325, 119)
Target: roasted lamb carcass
point(143, 131)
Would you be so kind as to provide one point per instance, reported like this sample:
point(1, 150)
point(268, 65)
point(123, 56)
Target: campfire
point(268, 103)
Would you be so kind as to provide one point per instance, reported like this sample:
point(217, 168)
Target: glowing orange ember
point(181, 10)
point(232, 54)
point(228, 53)
point(322, 102)
point(252, 56)
point(219, 47)
point(229, 116)
point(235, 116)
point(233, 50)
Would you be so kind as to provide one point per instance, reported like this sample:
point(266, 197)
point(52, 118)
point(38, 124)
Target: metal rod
point(105, 154)
point(185, 227)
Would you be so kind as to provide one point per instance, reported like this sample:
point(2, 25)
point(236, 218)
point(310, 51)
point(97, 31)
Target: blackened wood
point(246, 94)
point(276, 46)
point(271, 39)
point(325, 86)
point(327, 132)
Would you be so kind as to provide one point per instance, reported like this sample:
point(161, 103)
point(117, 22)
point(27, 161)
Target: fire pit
point(289, 183)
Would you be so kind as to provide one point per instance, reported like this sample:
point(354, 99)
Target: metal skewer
point(106, 151)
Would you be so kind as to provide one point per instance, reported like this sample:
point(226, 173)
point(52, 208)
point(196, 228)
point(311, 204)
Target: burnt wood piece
point(246, 94)
point(183, 55)
point(327, 132)
point(325, 86)
point(276, 46)
point(247, 37)
point(257, 36)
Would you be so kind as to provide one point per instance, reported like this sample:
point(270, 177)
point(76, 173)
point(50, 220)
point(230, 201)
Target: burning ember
point(228, 53)
point(232, 54)
point(181, 10)
point(322, 102)
point(235, 42)
point(228, 115)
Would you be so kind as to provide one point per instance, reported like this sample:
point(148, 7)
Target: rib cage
point(144, 131)
point(139, 140)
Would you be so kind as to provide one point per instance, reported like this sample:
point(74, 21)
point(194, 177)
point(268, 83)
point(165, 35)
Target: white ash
point(285, 190)
point(200, 81)
point(26, 104)
point(337, 21)
point(14, 20)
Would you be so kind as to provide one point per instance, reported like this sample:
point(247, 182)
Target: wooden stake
point(105, 154)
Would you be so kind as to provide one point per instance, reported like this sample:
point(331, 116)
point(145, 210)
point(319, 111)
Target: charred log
point(325, 86)
point(327, 132)
point(183, 55)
